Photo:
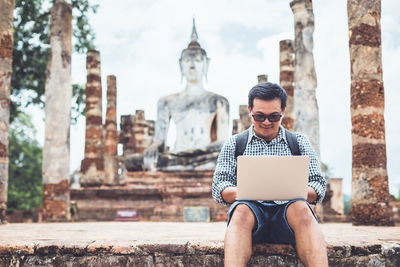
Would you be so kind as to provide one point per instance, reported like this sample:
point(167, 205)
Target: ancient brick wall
point(137, 133)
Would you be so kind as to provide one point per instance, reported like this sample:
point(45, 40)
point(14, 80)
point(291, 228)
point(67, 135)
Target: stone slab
point(178, 244)
point(196, 214)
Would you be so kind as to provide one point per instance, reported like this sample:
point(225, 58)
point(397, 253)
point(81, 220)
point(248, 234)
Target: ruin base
point(159, 196)
point(380, 214)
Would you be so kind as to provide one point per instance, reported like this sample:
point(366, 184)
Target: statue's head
point(194, 61)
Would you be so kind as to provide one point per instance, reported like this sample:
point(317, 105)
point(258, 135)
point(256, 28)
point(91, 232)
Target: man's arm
point(224, 180)
point(316, 183)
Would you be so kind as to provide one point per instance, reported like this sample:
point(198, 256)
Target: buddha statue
point(200, 116)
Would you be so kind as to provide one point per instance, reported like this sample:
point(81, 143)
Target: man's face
point(266, 129)
point(193, 65)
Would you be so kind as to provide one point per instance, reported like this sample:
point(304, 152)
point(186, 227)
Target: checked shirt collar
point(281, 137)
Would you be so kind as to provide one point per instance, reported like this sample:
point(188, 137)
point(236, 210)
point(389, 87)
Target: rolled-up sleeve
point(225, 171)
point(315, 179)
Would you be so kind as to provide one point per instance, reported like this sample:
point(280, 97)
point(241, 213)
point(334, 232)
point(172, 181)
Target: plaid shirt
point(225, 172)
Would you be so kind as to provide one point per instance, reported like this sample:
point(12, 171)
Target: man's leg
point(238, 236)
point(310, 242)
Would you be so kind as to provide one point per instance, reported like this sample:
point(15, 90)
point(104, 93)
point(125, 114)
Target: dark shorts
point(271, 223)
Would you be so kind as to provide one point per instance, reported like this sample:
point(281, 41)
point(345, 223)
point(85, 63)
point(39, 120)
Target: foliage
point(25, 167)
point(78, 97)
point(31, 49)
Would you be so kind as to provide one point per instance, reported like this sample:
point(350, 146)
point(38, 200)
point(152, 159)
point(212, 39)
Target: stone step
point(179, 244)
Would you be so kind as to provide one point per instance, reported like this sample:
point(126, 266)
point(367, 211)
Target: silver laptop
point(272, 177)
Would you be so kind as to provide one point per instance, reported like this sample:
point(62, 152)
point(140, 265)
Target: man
point(288, 222)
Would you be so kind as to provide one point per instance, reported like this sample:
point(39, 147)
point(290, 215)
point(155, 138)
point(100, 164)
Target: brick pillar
point(262, 78)
point(111, 139)
point(245, 120)
point(126, 136)
point(58, 92)
point(286, 79)
point(305, 107)
point(6, 47)
point(370, 190)
point(235, 126)
point(337, 202)
point(92, 167)
point(143, 131)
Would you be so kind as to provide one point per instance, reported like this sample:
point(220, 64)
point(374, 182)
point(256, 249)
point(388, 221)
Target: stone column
point(262, 78)
point(111, 139)
point(92, 167)
point(286, 79)
point(337, 202)
point(305, 105)
point(235, 126)
point(370, 191)
point(244, 121)
point(58, 93)
point(6, 46)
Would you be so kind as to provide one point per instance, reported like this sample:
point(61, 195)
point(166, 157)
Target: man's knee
point(299, 214)
point(243, 216)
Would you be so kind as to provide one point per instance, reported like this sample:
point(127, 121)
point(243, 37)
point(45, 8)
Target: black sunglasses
point(263, 117)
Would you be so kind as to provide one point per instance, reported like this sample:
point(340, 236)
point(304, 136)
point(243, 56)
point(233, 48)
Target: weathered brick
point(370, 126)
point(87, 162)
point(287, 122)
point(287, 76)
point(94, 120)
point(367, 35)
point(93, 91)
point(286, 45)
point(6, 46)
point(369, 155)
point(54, 190)
point(371, 214)
point(367, 94)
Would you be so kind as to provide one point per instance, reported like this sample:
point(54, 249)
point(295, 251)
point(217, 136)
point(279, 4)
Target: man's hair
point(268, 91)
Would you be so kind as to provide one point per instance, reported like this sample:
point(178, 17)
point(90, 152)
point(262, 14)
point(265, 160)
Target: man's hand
point(229, 194)
point(311, 195)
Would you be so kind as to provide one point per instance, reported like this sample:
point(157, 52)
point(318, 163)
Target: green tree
point(25, 168)
point(31, 49)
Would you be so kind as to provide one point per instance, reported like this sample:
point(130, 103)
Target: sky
point(140, 42)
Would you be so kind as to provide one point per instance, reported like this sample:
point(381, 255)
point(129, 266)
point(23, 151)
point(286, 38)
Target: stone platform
point(159, 196)
point(178, 244)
